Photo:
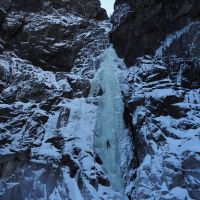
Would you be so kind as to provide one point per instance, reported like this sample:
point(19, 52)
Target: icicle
point(110, 124)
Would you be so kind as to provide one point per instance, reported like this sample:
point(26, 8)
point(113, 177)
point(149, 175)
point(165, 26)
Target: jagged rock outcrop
point(141, 26)
point(50, 34)
point(50, 51)
point(162, 97)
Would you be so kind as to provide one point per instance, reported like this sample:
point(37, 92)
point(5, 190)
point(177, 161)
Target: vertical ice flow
point(110, 125)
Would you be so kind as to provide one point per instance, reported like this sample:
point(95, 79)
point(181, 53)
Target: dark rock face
point(39, 113)
point(164, 119)
point(92, 9)
point(141, 26)
point(160, 43)
point(47, 123)
point(43, 153)
point(50, 34)
point(183, 56)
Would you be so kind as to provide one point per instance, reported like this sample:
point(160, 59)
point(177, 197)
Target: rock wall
point(50, 51)
point(48, 33)
point(159, 41)
point(141, 26)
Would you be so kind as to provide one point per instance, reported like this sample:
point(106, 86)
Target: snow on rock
point(52, 35)
point(47, 133)
point(164, 117)
point(49, 125)
point(46, 123)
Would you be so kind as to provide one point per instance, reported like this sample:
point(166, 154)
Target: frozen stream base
point(110, 125)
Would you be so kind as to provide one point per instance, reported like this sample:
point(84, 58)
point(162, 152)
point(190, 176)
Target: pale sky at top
point(108, 5)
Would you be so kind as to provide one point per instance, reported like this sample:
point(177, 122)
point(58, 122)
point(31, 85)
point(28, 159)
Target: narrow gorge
point(99, 108)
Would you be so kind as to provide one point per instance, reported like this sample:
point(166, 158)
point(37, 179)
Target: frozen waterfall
point(110, 125)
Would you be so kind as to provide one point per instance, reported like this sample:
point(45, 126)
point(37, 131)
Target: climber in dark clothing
point(108, 144)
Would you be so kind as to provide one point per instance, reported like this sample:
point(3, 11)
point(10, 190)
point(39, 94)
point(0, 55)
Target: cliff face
point(51, 51)
point(146, 24)
point(46, 127)
point(49, 33)
point(159, 40)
